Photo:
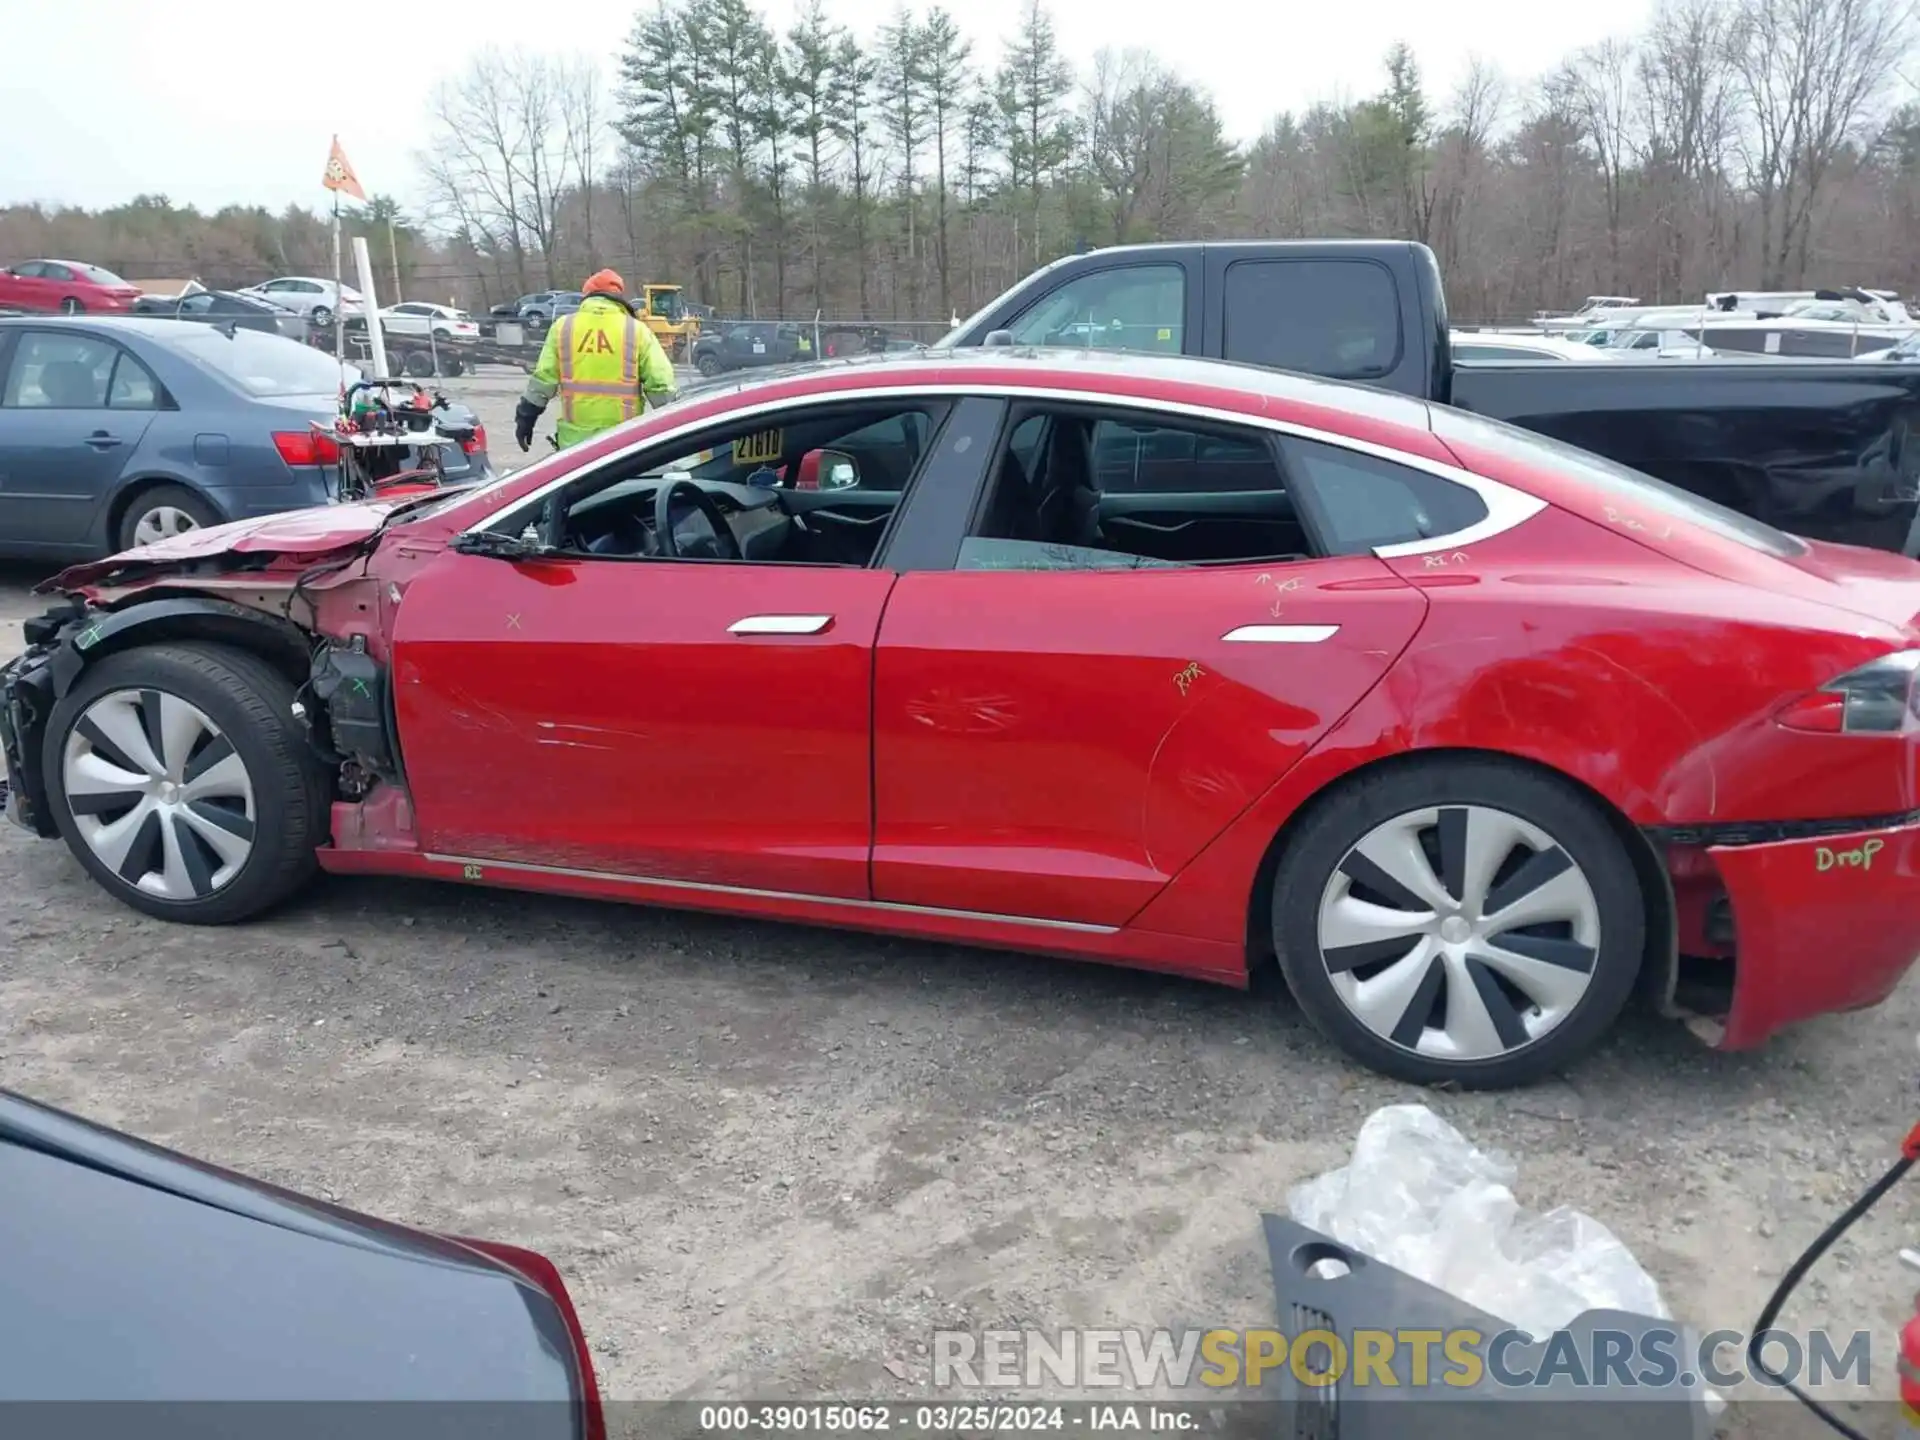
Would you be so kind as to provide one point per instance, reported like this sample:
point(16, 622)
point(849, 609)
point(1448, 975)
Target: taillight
point(1879, 698)
point(540, 1271)
point(477, 441)
point(306, 447)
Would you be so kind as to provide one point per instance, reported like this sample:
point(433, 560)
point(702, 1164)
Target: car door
point(1070, 712)
point(73, 409)
point(21, 287)
point(699, 722)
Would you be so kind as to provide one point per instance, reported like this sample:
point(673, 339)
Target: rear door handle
point(780, 625)
point(101, 440)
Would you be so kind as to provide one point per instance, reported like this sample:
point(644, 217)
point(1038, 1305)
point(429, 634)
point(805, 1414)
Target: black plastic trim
point(1770, 832)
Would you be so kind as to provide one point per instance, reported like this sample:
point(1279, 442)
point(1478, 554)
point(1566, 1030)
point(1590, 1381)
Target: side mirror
point(997, 338)
point(827, 470)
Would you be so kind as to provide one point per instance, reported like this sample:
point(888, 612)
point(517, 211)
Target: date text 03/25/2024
point(944, 1420)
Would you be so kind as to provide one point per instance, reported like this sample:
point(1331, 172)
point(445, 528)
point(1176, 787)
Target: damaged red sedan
point(1156, 661)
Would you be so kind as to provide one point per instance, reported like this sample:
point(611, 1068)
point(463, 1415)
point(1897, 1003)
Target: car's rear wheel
point(179, 779)
point(322, 316)
point(71, 306)
point(1459, 920)
point(162, 513)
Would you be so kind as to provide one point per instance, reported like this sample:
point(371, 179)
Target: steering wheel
point(726, 547)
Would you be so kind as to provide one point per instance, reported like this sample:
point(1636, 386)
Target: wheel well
point(1659, 966)
point(284, 649)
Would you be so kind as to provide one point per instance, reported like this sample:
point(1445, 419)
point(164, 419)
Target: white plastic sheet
point(1417, 1195)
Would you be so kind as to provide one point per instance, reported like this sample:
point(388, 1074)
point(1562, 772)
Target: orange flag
point(340, 174)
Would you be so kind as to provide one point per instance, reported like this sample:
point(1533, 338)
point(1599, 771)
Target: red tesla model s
point(1156, 661)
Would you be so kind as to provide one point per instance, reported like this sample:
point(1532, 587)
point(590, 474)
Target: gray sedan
point(119, 431)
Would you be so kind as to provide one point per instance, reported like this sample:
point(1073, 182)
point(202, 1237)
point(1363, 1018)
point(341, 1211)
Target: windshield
point(99, 276)
point(261, 364)
point(668, 304)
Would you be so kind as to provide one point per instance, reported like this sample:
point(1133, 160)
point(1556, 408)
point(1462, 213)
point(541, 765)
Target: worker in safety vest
point(601, 361)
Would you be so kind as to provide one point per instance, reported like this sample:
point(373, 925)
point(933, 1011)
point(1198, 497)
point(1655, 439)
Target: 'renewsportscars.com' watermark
point(1656, 1358)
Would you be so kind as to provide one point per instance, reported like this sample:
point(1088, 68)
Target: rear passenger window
point(133, 387)
point(1361, 502)
point(1337, 318)
point(1155, 460)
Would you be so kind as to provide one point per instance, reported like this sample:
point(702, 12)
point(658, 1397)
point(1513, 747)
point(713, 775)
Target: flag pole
point(339, 304)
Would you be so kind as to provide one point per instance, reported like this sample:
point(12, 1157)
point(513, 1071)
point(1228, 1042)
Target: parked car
point(67, 286)
point(319, 300)
point(748, 344)
point(1473, 348)
point(417, 318)
point(546, 308)
point(516, 309)
point(117, 432)
point(1816, 447)
point(224, 307)
point(150, 1276)
point(1150, 660)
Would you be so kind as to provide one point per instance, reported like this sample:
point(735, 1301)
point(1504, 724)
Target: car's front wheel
point(708, 364)
point(1459, 920)
point(178, 777)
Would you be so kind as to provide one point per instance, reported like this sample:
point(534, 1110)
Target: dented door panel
point(1058, 745)
point(616, 716)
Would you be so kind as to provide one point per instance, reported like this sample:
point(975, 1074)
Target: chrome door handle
point(101, 440)
point(780, 625)
point(1282, 634)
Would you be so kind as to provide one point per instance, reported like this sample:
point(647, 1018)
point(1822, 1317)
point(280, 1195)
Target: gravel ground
point(771, 1160)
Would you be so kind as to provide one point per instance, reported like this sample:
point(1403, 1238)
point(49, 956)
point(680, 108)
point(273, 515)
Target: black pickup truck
point(1824, 448)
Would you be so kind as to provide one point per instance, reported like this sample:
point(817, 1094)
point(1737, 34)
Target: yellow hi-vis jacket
point(599, 360)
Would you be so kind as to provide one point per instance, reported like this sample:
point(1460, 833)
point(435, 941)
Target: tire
point(246, 841)
point(1438, 835)
point(452, 366)
point(163, 512)
point(708, 364)
point(72, 306)
point(321, 316)
point(419, 364)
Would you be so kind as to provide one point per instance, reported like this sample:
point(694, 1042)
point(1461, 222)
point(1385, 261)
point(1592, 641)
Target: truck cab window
point(1337, 318)
point(1132, 307)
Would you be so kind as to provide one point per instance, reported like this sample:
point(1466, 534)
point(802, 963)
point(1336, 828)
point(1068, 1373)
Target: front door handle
point(101, 440)
point(780, 625)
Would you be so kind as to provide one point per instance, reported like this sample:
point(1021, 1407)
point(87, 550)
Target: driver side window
point(818, 488)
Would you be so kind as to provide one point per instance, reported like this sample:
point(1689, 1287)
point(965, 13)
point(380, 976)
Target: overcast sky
point(215, 102)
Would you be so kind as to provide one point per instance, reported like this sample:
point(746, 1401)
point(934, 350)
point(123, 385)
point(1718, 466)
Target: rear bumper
point(1821, 925)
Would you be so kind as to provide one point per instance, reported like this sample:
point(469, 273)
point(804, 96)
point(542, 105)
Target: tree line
point(1766, 144)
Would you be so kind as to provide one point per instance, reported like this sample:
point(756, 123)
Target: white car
point(319, 300)
point(1489, 348)
point(443, 322)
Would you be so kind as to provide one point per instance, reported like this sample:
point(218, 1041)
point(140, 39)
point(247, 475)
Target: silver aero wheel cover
point(1459, 932)
point(158, 794)
point(162, 522)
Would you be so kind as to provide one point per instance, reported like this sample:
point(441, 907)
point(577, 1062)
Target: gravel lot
point(770, 1160)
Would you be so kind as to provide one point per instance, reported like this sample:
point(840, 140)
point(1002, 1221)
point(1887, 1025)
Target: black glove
point(525, 414)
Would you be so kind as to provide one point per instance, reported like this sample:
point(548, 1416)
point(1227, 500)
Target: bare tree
point(1596, 90)
point(1811, 73)
point(584, 122)
point(475, 161)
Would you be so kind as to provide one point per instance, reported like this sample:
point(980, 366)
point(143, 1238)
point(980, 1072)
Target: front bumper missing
point(1822, 924)
point(26, 804)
